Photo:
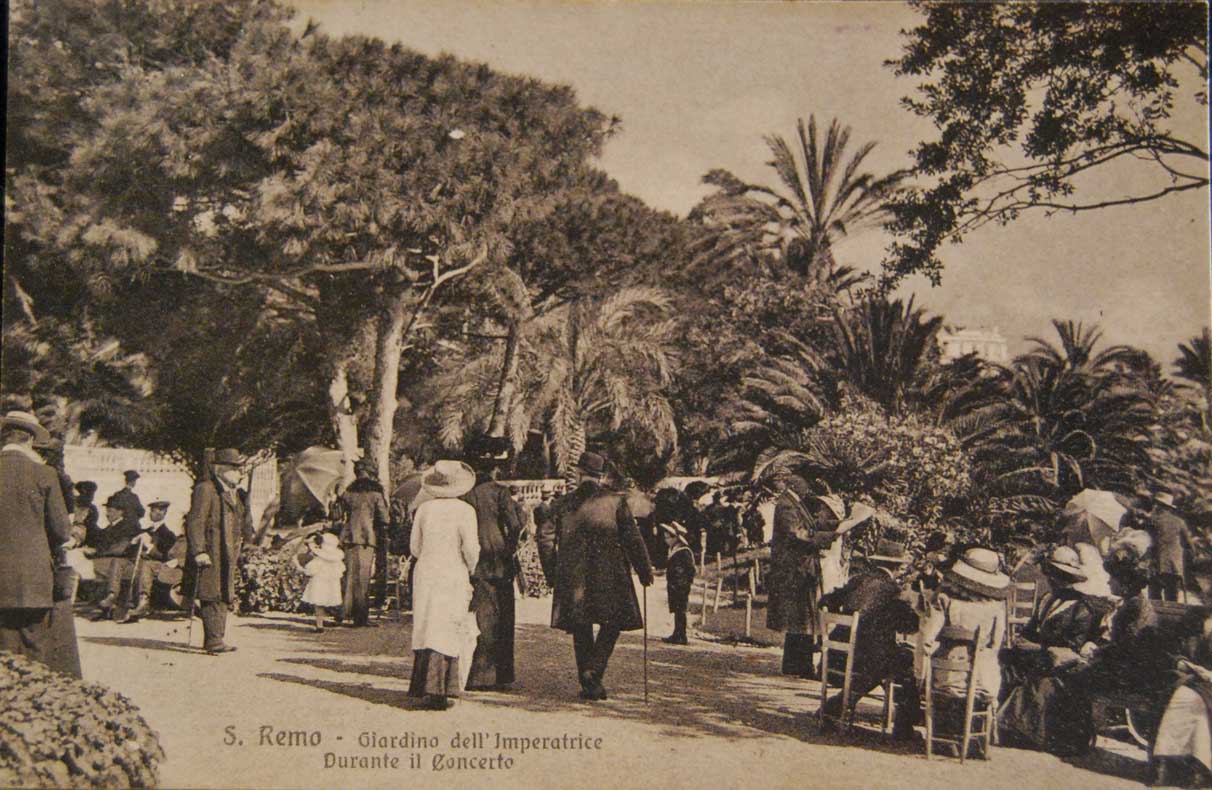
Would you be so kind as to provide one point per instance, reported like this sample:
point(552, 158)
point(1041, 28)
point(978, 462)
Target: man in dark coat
point(876, 597)
point(366, 516)
point(126, 498)
point(155, 541)
point(216, 528)
point(113, 556)
point(34, 525)
point(499, 521)
point(1172, 542)
point(588, 540)
point(803, 526)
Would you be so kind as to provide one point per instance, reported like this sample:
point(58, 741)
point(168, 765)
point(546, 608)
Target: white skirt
point(1184, 730)
point(323, 591)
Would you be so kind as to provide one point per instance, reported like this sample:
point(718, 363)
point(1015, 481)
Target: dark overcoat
point(217, 525)
point(588, 543)
point(366, 513)
point(1172, 538)
point(128, 502)
point(499, 522)
point(33, 526)
point(882, 615)
point(793, 584)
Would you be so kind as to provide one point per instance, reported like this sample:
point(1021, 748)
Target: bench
point(1139, 707)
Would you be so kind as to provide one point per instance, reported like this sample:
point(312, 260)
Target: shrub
point(58, 731)
point(268, 581)
point(533, 580)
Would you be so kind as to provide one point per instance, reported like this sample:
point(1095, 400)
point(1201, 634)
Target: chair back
point(837, 674)
point(951, 670)
point(1019, 606)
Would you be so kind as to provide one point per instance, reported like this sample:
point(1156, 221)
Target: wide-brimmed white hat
point(978, 571)
point(329, 549)
point(1164, 497)
point(1066, 562)
point(26, 422)
point(449, 479)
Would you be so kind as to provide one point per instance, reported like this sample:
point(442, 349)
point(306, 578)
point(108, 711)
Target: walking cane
point(645, 644)
point(134, 576)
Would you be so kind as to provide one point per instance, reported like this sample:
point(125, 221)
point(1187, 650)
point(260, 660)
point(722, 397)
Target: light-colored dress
point(990, 617)
point(1185, 730)
point(324, 582)
point(446, 542)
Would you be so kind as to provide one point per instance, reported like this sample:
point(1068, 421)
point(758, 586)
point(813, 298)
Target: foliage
point(1030, 98)
point(58, 731)
point(267, 580)
point(826, 197)
point(1194, 365)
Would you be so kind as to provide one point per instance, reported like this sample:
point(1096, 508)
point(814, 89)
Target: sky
point(698, 85)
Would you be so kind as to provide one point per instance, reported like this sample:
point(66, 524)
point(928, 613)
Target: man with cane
point(588, 544)
point(215, 530)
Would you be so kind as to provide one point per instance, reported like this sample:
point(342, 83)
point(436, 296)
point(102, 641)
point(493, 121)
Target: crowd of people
point(465, 530)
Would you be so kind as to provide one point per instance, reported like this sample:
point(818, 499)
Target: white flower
point(457, 134)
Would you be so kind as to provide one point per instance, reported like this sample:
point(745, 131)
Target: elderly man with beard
point(215, 529)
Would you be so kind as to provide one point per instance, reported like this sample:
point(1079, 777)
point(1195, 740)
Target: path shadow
point(1108, 763)
point(367, 692)
point(145, 644)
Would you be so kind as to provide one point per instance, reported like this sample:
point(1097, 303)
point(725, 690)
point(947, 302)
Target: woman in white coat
point(446, 545)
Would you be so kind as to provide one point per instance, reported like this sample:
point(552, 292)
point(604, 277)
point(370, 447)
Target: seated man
point(875, 595)
point(113, 554)
point(156, 541)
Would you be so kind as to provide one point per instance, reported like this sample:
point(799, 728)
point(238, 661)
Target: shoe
point(142, 610)
point(217, 649)
point(676, 639)
point(318, 629)
point(99, 616)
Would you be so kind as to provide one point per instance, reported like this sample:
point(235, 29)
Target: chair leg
point(888, 686)
point(929, 727)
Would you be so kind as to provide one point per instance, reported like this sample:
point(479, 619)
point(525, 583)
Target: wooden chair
point(979, 722)
point(841, 677)
point(1019, 606)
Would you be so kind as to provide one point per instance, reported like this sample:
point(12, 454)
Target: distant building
point(988, 344)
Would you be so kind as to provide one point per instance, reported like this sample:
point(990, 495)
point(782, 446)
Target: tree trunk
point(576, 446)
point(388, 345)
point(508, 383)
point(345, 427)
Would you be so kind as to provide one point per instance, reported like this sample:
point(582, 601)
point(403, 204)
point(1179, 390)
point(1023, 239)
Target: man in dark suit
point(366, 516)
point(114, 555)
point(876, 597)
point(155, 541)
point(216, 528)
point(499, 521)
point(588, 541)
point(1172, 541)
point(126, 498)
point(34, 525)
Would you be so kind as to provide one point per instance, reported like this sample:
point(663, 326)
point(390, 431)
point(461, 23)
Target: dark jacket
point(33, 525)
point(217, 525)
point(801, 530)
point(128, 502)
point(1056, 625)
point(115, 540)
point(588, 542)
point(882, 615)
point(365, 513)
point(163, 540)
point(499, 521)
point(1172, 538)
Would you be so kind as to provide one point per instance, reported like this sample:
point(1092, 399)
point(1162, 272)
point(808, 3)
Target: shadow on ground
point(145, 644)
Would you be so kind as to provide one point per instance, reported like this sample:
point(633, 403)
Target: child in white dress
point(324, 572)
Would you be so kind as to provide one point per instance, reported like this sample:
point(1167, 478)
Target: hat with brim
point(1165, 498)
point(164, 503)
point(676, 530)
point(228, 457)
point(889, 552)
point(86, 487)
point(130, 474)
point(1065, 562)
point(28, 423)
point(448, 479)
point(977, 571)
point(329, 548)
point(592, 464)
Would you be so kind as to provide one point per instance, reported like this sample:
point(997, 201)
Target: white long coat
point(446, 543)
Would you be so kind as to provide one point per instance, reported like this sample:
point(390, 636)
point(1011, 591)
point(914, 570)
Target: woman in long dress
point(446, 546)
point(1182, 751)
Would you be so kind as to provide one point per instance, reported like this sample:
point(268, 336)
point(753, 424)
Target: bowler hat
point(592, 464)
point(489, 448)
point(28, 423)
point(228, 457)
point(115, 501)
point(86, 487)
point(889, 551)
point(130, 474)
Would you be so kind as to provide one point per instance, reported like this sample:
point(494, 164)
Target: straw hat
point(449, 479)
point(1165, 498)
point(329, 548)
point(227, 457)
point(977, 571)
point(1065, 561)
point(677, 530)
point(28, 423)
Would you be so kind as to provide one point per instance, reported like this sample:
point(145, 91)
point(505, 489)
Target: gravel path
point(269, 715)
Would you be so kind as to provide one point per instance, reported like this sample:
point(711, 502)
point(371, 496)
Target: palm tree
point(1195, 365)
point(1076, 351)
point(825, 198)
point(592, 367)
point(883, 349)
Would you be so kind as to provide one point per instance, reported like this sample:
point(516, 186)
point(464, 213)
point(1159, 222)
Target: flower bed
point(268, 581)
point(58, 731)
